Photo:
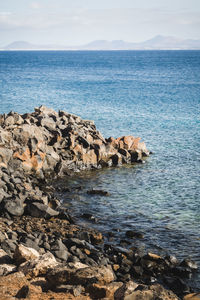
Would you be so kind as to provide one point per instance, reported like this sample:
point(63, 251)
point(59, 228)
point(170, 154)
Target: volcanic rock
point(38, 266)
point(39, 210)
point(98, 192)
point(6, 269)
point(82, 276)
point(23, 254)
point(193, 296)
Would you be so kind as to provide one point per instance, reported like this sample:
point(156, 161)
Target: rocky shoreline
point(44, 254)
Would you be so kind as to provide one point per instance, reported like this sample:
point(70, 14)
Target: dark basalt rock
point(98, 192)
point(40, 210)
point(89, 217)
point(134, 234)
point(189, 263)
point(182, 272)
point(9, 246)
point(5, 258)
point(64, 215)
point(177, 285)
point(23, 292)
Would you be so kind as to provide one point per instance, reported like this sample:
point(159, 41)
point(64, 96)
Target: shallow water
point(152, 94)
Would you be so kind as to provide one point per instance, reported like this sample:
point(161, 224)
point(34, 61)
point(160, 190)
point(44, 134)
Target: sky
point(77, 22)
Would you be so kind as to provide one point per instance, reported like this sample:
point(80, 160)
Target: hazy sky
point(75, 22)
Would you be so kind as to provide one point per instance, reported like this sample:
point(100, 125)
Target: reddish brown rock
point(96, 237)
point(89, 158)
point(97, 291)
point(30, 162)
point(17, 284)
point(193, 296)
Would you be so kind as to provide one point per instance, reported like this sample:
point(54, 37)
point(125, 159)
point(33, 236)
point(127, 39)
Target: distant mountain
point(157, 43)
point(19, 45)
point(169, 43)
point(109, 45)
point(22, 45)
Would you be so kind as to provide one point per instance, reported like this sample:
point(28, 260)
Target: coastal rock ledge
point(44, 254)
point(49, 143)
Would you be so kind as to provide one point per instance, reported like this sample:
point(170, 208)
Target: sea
point(151, 94)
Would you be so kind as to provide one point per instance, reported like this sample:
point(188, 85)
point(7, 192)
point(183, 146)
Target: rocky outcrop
point(46, 142)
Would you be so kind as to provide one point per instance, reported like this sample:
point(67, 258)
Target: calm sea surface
point(151, 94)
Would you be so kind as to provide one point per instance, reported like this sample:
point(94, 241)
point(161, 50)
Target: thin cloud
point(35, 5)
point(5, 13)
point(102, 17)
point(87, 24)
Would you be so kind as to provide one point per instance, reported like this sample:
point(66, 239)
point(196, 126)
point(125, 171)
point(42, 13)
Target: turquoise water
point(151, 94)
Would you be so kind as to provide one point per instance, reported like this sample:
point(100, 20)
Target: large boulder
point(40, 210)
point(14, 207)
point(98, 291)
point(83, 276)
point(23, 253)
point(38, 266)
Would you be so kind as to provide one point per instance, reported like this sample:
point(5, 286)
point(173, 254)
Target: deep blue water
point(151, 94)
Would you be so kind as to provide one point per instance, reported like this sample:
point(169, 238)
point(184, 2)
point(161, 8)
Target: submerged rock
point(134, 234)
point(98, 192)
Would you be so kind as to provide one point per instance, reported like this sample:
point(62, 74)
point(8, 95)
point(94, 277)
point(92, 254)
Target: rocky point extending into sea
point(44, 254)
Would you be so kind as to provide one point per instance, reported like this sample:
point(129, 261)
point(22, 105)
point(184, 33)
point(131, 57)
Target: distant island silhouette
point(157, 43)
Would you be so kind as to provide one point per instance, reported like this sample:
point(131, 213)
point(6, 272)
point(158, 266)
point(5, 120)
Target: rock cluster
point(55, 257)
point(43, 253)
point(46, 142)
